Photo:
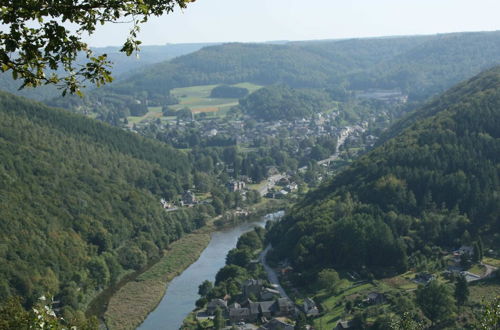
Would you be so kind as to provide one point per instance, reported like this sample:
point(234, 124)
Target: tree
point(476, 255)
point(490, 319)
point(205, 288)
point(461, 290)
point(436, 302)
point(239, 257)
point(406, 322)
point(328, 279)
point(36, 41)
point(41, 316)
point(219, 321)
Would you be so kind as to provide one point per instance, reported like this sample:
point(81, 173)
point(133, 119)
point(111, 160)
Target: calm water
point(182, 293)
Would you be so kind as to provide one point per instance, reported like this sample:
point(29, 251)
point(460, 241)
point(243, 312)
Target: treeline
point(80, 203)
point(434, 185)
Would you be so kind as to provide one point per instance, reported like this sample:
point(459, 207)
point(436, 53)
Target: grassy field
point(333, 306)
point(198, 99)
point(153, 113)
point(486, 290)
point(492, 261)
point(133, 302)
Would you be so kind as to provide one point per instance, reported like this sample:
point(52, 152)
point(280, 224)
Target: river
point(182, 293)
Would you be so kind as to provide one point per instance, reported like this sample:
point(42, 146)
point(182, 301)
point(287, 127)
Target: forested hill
point(80, 202)
point(416, 63)
point(307, 64)
point(435, 184)
point(419, 66)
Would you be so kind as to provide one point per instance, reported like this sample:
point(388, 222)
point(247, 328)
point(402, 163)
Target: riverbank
point(130, 305)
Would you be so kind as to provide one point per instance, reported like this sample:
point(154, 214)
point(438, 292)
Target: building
point(375, 298)
point(277, 324)
point(344, 325)
point(188, 198)
point(236, 186)
point(251, 287)
point(250, 311)
point(214, 304)
point(309, 307)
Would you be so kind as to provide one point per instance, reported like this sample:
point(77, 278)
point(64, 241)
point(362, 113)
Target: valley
point(382, 154)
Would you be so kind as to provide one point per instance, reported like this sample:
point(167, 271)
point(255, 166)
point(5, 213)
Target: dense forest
point(419, 66)
point(80, 203)
point(433, 185)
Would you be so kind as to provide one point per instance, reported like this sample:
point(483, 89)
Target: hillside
point(419, 66)
point(80, 203)
point(433, 185)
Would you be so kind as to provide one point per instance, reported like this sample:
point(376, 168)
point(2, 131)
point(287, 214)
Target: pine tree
point(476, 257)
point(219, 321)
point(461, 290)
point(481, 247)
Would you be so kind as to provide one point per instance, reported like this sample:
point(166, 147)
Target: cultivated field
point(197, 99)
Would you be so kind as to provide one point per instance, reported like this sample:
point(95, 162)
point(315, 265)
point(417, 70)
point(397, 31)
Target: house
point(269, 294)
point(214, 304)
point(236, 186)
point(469, 250)
point(237, 315)
point(309, 307)
point(212, 132)
point(292, 187)
point(251, 287)
point(423, 277)
point(284, 307)
point(165, 204)
point(344, 325)
point(276, 324)
point(188, 198)
point(250, 311)
point(375, 298)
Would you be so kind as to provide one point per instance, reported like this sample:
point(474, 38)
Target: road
point(470, 277)
point(489, 270)
point(272, 180)
point(344, 134)
point(271, 274)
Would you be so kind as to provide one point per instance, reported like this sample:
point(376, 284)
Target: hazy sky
point(265, 20)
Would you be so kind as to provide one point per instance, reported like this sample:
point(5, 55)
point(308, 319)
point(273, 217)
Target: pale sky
point(268, 20)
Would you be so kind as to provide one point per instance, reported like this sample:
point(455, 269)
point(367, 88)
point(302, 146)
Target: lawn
point(484, 290)
point(400, 282)
point(478, 269)
point(491, 261)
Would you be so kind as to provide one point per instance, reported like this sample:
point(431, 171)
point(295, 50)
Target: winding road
point(271, 274)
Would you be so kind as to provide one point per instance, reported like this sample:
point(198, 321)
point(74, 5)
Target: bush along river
point(182, 292)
